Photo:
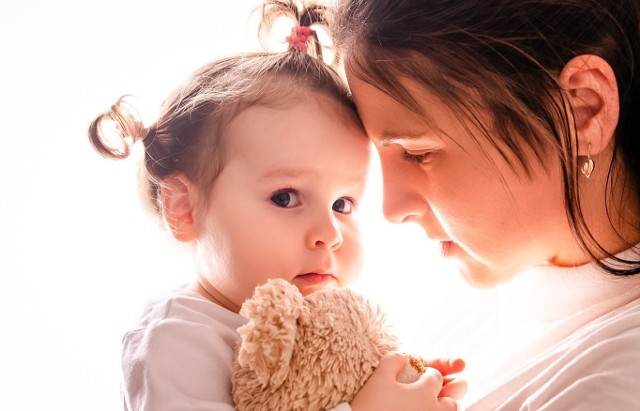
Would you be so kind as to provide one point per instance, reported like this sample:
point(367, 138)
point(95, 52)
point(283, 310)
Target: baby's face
point(285, 204)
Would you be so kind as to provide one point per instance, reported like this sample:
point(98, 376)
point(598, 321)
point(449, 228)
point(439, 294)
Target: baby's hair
point(312, 16)
point(188, 136)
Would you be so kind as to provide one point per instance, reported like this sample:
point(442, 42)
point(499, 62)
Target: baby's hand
point(382, 392)
point(452, 387)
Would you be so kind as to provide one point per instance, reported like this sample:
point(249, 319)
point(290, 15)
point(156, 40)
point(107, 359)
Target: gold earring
point(589, 165)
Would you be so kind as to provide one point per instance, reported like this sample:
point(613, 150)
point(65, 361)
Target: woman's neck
point(610, 206)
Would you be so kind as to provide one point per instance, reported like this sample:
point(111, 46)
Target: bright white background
point(78, 256)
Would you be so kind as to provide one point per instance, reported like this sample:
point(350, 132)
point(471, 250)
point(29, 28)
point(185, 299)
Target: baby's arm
point(382, 391)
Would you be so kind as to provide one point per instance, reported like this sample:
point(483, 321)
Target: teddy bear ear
point(267, 340)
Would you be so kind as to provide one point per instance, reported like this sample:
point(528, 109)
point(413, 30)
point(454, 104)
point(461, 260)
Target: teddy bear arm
point(412, 371)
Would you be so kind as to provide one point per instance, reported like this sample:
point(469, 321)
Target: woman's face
point(490, 218)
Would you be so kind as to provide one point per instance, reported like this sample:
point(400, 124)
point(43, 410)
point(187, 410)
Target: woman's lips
point(446, 248)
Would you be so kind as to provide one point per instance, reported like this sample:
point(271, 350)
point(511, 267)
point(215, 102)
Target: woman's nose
point(325, 232)
point(402, 199)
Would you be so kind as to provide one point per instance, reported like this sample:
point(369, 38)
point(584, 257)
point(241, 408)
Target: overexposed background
point(78, 256)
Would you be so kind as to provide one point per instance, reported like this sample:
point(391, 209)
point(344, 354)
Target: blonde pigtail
point(307, 19)
point(113, 133)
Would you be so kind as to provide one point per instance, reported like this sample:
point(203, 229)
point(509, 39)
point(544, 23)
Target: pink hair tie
point(298, 38)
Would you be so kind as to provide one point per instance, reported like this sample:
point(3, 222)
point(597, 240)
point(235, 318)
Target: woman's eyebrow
point(387, 138)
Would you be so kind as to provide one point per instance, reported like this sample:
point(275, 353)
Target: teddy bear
point(309, 353)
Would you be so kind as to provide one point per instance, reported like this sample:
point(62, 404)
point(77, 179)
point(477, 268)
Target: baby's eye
point(344, 205)
point(286, 199)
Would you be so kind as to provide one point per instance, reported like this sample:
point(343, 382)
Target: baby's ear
point(177, 195)
point(268, 339)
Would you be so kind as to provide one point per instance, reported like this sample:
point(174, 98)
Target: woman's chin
point(476, 274)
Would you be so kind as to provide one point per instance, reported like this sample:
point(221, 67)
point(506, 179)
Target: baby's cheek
point(351, 259)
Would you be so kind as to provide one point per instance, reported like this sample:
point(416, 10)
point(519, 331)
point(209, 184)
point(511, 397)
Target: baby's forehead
point(283, 94)
point(339, 110)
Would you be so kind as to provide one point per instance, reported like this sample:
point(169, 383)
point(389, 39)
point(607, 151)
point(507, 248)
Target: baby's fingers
point(446, 366)
point(431, 380)
point(447, 404)
point(453, 387)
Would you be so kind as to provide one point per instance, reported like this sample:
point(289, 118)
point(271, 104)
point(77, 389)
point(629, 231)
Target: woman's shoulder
point(621, 322)
point(595, 367)
point(598, 369)
point(608, 344)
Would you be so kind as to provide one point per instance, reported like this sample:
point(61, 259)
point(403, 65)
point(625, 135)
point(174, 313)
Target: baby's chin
point(312, 282)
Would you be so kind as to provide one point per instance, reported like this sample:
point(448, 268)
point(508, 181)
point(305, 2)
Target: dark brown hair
point(187, 137)
point(509, 52)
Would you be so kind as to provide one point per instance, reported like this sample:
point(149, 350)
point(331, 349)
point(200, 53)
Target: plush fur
point(308, 353)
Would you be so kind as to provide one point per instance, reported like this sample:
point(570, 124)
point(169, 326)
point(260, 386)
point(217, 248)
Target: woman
point(510, 131)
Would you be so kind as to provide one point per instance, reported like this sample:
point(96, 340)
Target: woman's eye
point(414, 158)
point(286, 199)
point(344, 205)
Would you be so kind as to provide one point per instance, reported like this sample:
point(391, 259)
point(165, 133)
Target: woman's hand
point(382, 391)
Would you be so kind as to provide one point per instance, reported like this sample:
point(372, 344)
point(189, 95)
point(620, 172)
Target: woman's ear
point(593, 94)
point(177, 207)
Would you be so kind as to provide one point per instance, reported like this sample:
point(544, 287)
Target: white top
point(562, 339)
point(179, 356)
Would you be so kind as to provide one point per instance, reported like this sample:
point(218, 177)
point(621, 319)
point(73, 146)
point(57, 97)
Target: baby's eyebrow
point(286, 172)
